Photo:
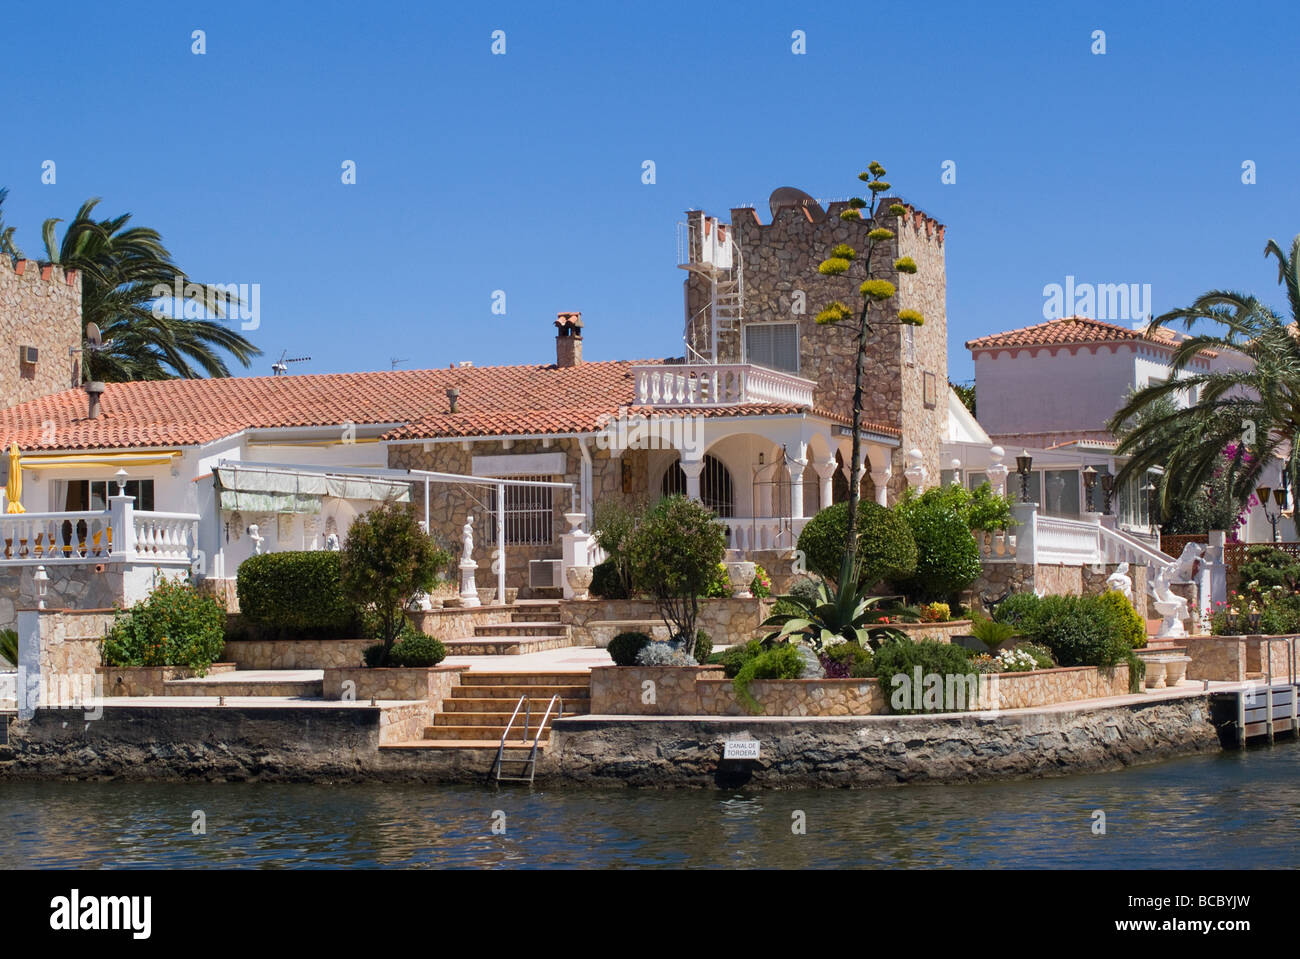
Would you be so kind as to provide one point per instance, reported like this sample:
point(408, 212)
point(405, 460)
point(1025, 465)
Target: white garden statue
point(258, 539)
point(1170, 605)
point(468, 590)
point(1121, 582)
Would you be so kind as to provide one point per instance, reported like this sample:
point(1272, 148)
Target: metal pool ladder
point(529, 769)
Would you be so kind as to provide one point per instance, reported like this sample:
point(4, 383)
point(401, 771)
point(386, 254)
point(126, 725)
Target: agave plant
point(9, 646)
point(836, 614)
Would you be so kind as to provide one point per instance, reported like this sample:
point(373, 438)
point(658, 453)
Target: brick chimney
point(568, 339)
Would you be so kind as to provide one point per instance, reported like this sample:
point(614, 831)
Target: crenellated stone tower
point(40, 327)
point(766, 293)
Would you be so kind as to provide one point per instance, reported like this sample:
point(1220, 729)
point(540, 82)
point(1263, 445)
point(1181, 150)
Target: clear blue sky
point(522, 172)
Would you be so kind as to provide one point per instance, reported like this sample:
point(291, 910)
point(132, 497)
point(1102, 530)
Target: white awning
point(253, 490)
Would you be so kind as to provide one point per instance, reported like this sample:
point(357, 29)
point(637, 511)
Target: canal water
point(1231, 809)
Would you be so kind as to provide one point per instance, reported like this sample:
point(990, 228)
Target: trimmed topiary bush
point(1080, 631)
point(947, 557)
point(624, 647)
point(295, 592)
point(1017, 610)
point(703, 645)
point(886, 546)
point(420, 650)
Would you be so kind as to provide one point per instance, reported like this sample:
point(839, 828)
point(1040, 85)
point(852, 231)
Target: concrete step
point(513, 693)
point(577, 704)
point(482, 733)
point(505, 645)
point(542, 614)
point(533, 628)
point(495, 718)
point(524, 678)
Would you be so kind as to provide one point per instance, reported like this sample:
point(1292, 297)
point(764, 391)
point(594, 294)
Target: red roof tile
point(493, 401)
point(1075, 330)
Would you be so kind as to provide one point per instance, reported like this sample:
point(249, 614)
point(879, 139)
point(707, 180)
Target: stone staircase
point(532, 629)
point(476, 713)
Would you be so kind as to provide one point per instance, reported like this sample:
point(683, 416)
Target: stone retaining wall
point(431, 685)
point(1221, 658)
point(703, 691)
point(340, 744)
point(725, 620)
point(70, 642)
point(149, 680)
point(295, 653)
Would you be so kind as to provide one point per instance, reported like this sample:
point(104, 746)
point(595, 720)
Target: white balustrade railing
point(764, 532)
point(1069, 541)
point(718, 384)
point(1117, 547)
point(117, 534)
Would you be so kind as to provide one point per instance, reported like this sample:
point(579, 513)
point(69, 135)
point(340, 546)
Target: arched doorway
point(717, 491)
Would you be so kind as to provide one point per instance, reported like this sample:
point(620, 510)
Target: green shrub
point(672, 555)
point(990, 632)
point(1269, 567)
point(781, 662)
point(606, 581)
point(1132, 626)
point(1017, 610)
point(719, 586)
point(295, 591)
point(1042, 655)
point(947, 557)
point(9, 645)
point(735, 657)
point(761, 584)
point(980, 509)
point(703, 646)
point(895, 664)
point(417, 651)
point(846, 661)
point(612, 526)
point(175, 625)
point(389, 558)
point(886, 548)
point(1079, 630)
point(372, 656)
point(624, 647)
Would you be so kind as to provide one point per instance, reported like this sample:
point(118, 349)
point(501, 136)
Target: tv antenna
point(395, 361)
point(281, 366)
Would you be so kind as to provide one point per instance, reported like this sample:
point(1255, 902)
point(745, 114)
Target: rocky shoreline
point(140, 743)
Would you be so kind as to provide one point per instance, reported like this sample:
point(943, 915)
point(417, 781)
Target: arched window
point(716, 491)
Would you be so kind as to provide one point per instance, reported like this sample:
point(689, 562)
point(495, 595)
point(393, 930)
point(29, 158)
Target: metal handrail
point(542, 725)
point(501, 749)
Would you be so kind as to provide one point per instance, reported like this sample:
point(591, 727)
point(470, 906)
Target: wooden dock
point(1263, 709)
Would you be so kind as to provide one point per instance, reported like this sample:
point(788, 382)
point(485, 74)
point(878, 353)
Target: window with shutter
point(774, 345)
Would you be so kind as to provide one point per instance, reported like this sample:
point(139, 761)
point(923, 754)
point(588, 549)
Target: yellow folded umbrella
point(15, 488)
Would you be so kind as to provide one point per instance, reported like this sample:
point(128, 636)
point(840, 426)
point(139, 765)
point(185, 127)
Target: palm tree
point(122, 269)
point(1242, 417)
point(7, 232)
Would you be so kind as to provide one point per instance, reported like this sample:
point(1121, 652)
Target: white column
point(500, 559)
point(826, 471)
point(881, 471)
point(796, 488)
point(692, 469)
point(997, 471)
point(915, 471)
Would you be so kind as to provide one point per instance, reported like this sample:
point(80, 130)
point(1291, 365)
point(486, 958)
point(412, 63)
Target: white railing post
point(1026, 516)
point(121, 509)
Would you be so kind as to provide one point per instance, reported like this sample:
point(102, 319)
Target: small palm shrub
point(990, 632)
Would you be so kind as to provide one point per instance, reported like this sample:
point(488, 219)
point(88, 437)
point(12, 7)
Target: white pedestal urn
point(739, 576)
point(579, 578)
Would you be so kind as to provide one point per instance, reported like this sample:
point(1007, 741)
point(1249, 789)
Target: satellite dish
point(793, 196)
point(93, 336)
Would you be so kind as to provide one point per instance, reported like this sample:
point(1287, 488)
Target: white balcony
point(718, 384)
point(117, 534)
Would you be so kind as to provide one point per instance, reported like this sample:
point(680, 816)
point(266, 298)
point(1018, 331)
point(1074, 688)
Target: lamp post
point(956, 472)
point(1108, 490)
point(1279, 497)
point(1024, 463)
point(1089, 484)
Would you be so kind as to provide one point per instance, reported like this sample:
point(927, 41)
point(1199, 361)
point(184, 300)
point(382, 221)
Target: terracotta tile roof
point(1075, 330)
point(493, 401)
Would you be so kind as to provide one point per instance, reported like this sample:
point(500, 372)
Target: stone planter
point(431, 684)
point(740, 575)
point(579, 578)
point(149, 680)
